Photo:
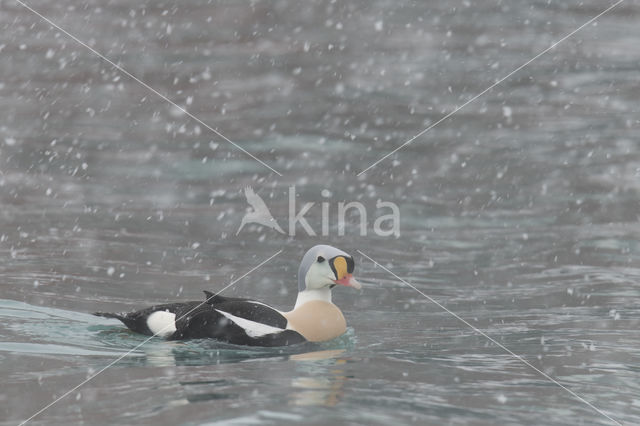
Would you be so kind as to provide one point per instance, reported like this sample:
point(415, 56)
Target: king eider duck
point(314, 318)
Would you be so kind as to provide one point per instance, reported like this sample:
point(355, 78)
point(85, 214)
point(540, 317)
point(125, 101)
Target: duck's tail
point(110, 315)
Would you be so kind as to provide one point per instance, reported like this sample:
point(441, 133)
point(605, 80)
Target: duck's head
point(324, 267)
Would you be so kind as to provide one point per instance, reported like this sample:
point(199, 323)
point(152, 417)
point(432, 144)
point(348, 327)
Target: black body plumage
point(196, 320)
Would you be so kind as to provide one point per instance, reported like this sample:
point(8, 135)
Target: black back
point(247, 309)
point(197, 320)
point(206, 322)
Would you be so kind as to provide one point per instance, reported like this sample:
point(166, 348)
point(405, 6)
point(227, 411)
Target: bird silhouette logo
point(259, 213)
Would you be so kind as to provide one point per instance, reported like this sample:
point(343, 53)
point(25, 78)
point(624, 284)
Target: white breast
point(162, 323)
point(252, 328)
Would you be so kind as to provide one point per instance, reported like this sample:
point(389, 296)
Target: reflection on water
point(319, 380)
point(519, 213)
point(321, 387)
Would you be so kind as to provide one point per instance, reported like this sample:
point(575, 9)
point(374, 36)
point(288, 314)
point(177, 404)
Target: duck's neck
point(322, 294)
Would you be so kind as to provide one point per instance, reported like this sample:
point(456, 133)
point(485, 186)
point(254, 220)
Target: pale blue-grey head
point(318, 255)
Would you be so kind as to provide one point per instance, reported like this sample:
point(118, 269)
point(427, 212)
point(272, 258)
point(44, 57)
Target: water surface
point(519, 213)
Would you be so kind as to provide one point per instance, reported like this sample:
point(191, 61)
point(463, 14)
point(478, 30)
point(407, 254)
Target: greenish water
point(519, 213)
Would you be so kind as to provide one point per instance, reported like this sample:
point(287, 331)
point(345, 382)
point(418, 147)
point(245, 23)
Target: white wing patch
point(162, 323)
point(252, 328)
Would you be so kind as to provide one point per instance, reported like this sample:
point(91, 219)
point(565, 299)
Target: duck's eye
point(320, 259)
